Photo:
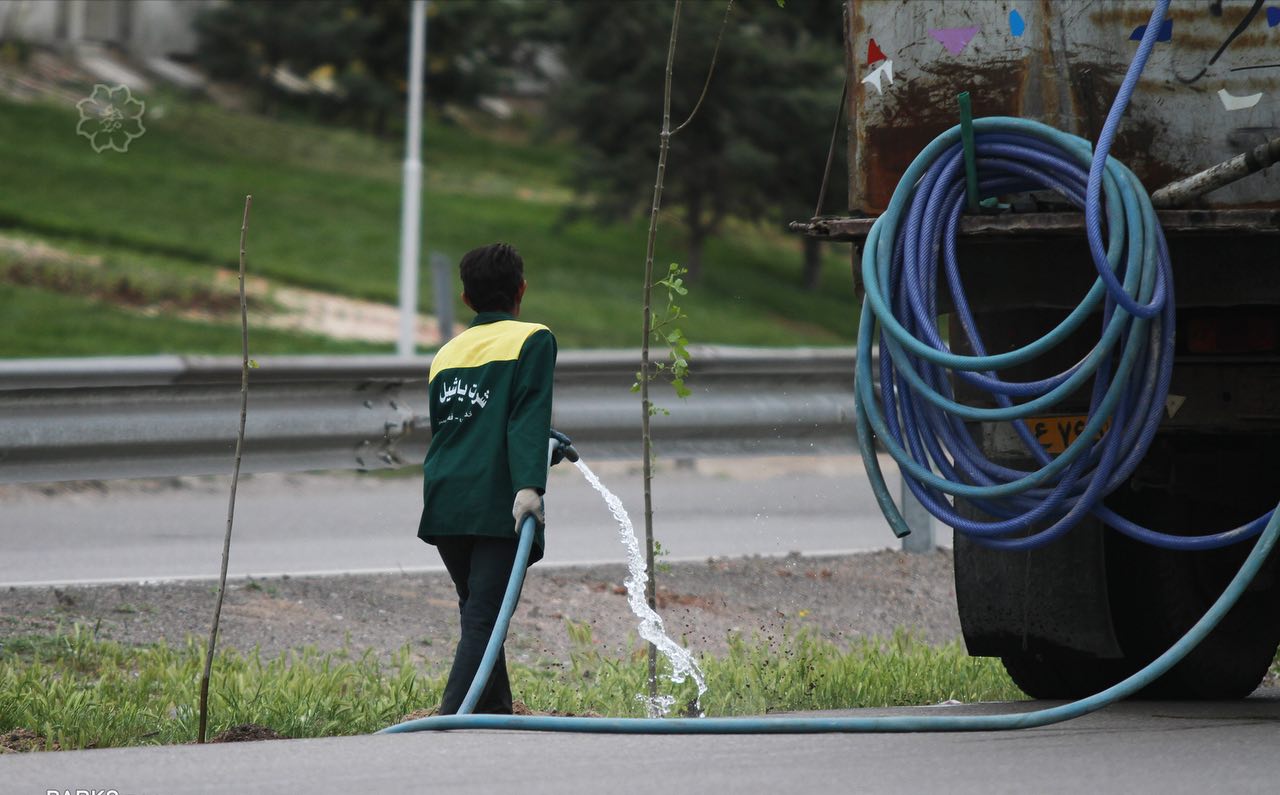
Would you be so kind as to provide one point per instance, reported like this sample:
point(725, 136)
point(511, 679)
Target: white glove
point(528, 501)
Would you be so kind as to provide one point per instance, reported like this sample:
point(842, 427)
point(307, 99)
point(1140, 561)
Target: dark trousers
point(480, 568)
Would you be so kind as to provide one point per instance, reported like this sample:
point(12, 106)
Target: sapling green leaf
point(662, 330)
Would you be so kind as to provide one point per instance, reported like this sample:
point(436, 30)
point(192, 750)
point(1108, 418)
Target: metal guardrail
point(86, 419)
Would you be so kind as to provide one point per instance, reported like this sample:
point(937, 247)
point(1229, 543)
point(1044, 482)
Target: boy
point(490, 405)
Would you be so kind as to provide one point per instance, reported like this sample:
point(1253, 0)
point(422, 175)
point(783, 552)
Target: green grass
point(43, 323)
point(759, 676)
point(326, 215)
point(79, 692)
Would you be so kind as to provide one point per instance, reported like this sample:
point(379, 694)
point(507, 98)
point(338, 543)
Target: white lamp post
point(411, 202)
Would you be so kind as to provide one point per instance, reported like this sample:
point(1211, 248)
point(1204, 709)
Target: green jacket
point(490, 393)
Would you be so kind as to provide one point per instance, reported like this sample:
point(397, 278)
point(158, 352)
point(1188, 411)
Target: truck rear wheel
point(1158, 594)
point(1053, 640)
point(1060, 674)
point(1167, 593)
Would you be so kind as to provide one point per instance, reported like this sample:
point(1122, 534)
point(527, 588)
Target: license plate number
point(1055, 433)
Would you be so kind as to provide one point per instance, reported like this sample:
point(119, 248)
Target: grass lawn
point(77, 692)
point(40, 323)
point(326, 215)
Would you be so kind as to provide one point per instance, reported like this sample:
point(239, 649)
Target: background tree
point(761, 141)
point(247, 42)
point(360, 48)
point(818, 38)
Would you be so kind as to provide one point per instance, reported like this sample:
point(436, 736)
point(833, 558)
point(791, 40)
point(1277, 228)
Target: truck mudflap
point(1041, 600)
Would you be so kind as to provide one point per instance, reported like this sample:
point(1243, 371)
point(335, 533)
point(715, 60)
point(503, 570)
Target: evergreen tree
point(759, 144)
point(474, 47)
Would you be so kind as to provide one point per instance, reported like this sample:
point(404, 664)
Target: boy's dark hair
point(491, 277)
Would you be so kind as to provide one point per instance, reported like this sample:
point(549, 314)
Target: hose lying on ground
point(922, 426)
point(893, 723)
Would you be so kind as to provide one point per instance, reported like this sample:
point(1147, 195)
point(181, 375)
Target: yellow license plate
point(1055, 433)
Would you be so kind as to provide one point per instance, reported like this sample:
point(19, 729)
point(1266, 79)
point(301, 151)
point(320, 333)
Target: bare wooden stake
point(235, 477)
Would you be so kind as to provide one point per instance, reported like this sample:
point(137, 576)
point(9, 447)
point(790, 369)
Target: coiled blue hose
point(915, 415)
point(1137, 308)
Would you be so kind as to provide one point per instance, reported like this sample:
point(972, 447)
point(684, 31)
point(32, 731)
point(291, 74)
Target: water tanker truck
point(1076, 614)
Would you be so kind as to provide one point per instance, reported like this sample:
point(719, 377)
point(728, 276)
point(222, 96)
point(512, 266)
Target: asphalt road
point(344, 522)
point(1128, 748)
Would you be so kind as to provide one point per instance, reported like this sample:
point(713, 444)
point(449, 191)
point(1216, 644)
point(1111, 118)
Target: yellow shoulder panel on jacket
point(479, 345)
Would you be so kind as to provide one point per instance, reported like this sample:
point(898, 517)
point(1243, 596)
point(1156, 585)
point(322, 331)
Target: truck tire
point(1158, 594)
point(1164, 593)
point(1150, 596)
point(1060, 674)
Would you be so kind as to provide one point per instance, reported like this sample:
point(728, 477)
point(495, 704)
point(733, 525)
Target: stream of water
point(683, 665)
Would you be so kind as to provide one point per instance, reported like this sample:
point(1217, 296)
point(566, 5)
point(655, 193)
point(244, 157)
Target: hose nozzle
point(570, 453)
point(565, 445)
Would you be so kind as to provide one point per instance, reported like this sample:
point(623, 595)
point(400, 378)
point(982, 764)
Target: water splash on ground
point(683, 665)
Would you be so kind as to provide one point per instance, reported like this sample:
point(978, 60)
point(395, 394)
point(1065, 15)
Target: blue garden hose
point(915, 415)
point(923, 425)
point(528, 528)
point(892, 723)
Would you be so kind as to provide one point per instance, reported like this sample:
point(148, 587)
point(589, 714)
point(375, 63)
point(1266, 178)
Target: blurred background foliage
point(358, 50)
point(757, 148)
